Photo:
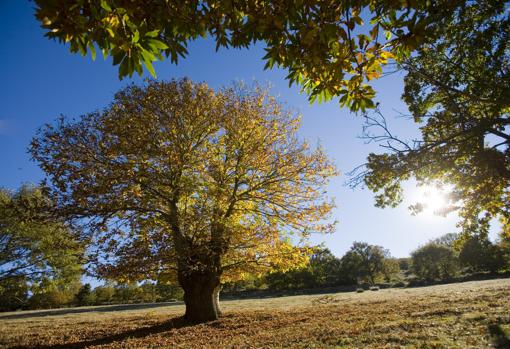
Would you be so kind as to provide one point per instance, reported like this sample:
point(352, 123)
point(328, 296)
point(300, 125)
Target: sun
point(432, 199)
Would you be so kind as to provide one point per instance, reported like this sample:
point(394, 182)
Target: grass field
point(463, 315)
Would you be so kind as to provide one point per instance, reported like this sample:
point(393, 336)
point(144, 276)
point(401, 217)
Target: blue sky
point(40, 80)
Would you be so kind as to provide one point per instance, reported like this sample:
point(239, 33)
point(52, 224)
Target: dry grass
point(467, 315)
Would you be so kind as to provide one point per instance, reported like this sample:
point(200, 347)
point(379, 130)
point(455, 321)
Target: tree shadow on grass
point(165, 326)
point(500, 339)
point(100, 309)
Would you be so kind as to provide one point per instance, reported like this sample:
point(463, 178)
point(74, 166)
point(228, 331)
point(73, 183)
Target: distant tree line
point(363, 264)
point(448, 258)
point(17, 294)
point(456, 255)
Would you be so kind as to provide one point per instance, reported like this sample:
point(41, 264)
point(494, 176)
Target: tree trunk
point(199, 272)
point(200, 297)
point(216, 299)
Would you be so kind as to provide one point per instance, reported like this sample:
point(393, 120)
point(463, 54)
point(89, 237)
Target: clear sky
point(41, 79)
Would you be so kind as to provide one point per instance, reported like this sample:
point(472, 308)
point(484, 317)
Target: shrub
point(478, 253)
point(400, 284)
point(434, 262)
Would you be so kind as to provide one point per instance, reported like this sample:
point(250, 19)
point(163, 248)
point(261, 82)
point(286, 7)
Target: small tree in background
point(104, 294)
point(365, 262)
point(13, 293)
point(168, 291)
point(478, 253)
point(504, 248)
point(54, 292)
point(434, 262)
point(34, 243)
point(404, 263)
point(85, 296)
point(180, 182)
point(391, 269)
point(323, 270)
point(127, 293)
point(148, 292)
point(449, 240)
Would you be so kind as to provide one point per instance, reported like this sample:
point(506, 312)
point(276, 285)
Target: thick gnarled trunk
point(201, 292)
point(199, 273)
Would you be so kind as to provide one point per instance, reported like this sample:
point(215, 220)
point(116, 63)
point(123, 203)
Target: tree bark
point(199, 273)
point(216, 299)
point(201, 297)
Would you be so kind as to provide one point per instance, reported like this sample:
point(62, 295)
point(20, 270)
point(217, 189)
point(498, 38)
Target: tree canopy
point(478, 253)
point(34, 243)
point(330, 48)
point(366, 262)
point(457, 91)
point(434, 262)
point(177, 180)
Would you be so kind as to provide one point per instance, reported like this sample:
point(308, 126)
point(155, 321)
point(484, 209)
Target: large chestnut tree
point(177, 180)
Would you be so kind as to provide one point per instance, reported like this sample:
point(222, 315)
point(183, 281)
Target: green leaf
point(110, 31)
point(118, 56)
point(106, 6)
point(374, 32)
point(152, 34)
point(343, 100)
point(150, 68)
point(156, 44)
point(135, 37)
point(81, 46)
point(123, 69)
point(138, 67)
point(147, 55)
point(92, 50)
